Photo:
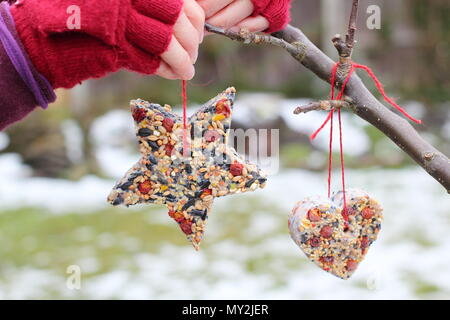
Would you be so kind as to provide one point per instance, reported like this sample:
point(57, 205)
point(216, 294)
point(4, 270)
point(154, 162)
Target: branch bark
point(364, 104)
point(350, 37)
point(325, 105)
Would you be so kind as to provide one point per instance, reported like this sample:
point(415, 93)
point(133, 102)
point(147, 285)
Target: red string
point(341, 145)
point(330, 152)
point(314, 135)
point(341, 93)
point(341, 152)
point(339, 97)
point(383, 93)
point(347, 79)
point(330, 118)
point(341, 148)
point(184, 97)
point(333, 79)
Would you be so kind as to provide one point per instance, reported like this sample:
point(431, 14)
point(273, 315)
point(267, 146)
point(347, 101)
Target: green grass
point(37, 239)
point(29, 234)
point(422, 288)
point(33, 239)
point(294, 155)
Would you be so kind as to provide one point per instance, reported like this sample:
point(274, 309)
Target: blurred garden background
point(58, 165)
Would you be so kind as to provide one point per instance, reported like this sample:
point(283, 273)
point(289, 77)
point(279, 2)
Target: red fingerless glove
point(275, 11)
point(113, 34)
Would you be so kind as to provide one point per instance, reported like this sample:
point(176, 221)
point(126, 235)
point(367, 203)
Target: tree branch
point(325, 105)
point(297, 50)
point(364, 104)
point(350, 37)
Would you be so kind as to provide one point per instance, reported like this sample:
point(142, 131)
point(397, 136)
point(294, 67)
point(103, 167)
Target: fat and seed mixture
point(318, 227)
point(186, 181)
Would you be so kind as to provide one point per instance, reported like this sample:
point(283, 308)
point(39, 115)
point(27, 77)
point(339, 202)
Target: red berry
point(351, 265)
point(326, 260)
point(350, 211)
point(236, 168)
point(367, 213)
point(364, 242)
point(176, 215)
point(169, 149)
point(326, 232)
point(168, 124)
point(206, 192)
point(223, 108)
point(145, 187)
point(314, 242)
point(313, 215)
point(186, 226)
point(139, 114)
point(211, 135)
point(345, 216)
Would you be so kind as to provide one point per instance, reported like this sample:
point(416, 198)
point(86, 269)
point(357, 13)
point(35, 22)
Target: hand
point(233, 14)
point(179, 59)
point(144, 36)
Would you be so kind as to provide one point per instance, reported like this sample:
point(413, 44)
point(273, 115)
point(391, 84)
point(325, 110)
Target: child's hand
point(144, 36)
point(254, 15)
point(177, 62)
point(69, 41)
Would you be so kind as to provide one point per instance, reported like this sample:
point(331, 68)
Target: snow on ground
point(4, 140)
point(414, 205)
point(355, 139)
point(19, 189)
point(410, 260)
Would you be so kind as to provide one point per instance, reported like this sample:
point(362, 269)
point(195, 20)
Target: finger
point(178, 60)
point(232, 14)
point(196, 16)
point(211, 7)
point(187, 36)
point(165, 71)
point(254, 24)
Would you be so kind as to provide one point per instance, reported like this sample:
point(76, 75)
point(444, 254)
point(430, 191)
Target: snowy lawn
point(47, 225)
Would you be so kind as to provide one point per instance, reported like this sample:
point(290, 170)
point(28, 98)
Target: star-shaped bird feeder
point(186, 181)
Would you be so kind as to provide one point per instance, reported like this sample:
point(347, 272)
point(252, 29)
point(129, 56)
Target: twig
point(350, 37)
point(325, 105)
point(345, 48)
point(364, 104)
point(295, 49)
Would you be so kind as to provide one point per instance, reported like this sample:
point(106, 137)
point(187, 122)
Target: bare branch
point(345, 48)
point(350, 37)
point(325, 105)
point(364, 104)
point(297, 50)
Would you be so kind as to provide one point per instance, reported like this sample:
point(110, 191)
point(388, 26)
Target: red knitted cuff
point(149, 34)
point(277, 13)
point(114, 34)
point(259, 6)
point(162, 10)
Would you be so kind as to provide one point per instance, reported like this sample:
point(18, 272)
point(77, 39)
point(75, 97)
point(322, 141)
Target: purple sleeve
point(17, 98)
